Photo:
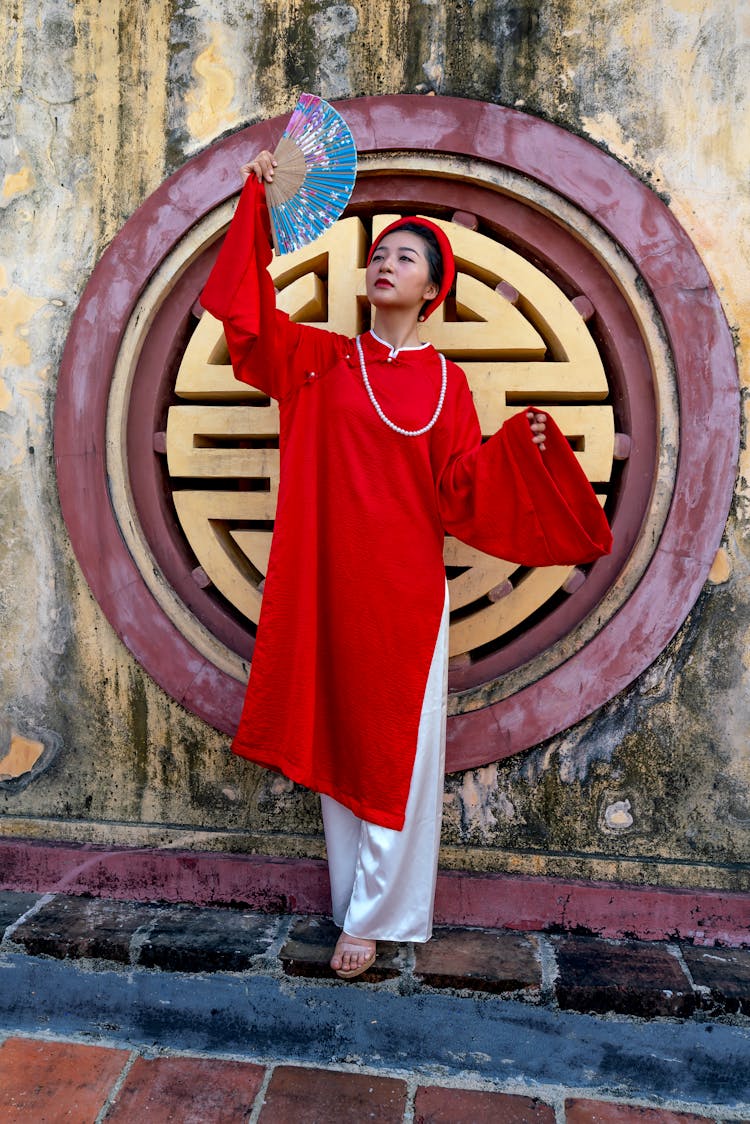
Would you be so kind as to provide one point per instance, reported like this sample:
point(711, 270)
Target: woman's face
point(398, 273)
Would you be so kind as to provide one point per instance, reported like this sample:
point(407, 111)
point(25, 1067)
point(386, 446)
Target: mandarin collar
point(379, 349)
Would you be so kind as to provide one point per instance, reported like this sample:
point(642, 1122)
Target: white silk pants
point(383, 881)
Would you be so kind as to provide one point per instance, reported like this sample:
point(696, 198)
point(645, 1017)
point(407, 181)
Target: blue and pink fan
point(315, 174)
point(314, 177)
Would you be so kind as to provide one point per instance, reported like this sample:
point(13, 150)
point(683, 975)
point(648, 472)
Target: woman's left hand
point(538, 424)
point(261, 166)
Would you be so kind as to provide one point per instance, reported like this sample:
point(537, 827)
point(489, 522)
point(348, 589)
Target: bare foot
point(352, 955)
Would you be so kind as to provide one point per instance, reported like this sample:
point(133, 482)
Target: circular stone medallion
point(602, 314)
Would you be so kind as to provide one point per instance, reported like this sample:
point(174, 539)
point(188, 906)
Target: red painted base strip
point(276, 885)
point(609, 909)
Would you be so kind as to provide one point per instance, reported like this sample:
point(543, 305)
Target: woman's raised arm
point(267, 349)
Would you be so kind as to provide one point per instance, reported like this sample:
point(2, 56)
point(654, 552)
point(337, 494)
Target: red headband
point(446, 253)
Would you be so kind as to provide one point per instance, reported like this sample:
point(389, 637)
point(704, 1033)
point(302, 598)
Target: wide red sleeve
point(508, 499)
point(267, 349)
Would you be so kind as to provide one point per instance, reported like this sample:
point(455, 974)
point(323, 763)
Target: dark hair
point(433, 253)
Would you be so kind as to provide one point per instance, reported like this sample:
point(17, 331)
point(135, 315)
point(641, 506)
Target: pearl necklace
point(379, 411)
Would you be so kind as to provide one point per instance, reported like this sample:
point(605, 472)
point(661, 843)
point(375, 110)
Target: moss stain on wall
point(654, 747)
point(119, 65)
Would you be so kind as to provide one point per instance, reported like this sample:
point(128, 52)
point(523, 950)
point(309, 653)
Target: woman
point(381, 455)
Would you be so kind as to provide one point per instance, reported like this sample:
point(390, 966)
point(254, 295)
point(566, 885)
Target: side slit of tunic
point(382, 880)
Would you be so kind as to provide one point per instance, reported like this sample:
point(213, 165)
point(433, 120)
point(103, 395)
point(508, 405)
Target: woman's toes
point(351, 952)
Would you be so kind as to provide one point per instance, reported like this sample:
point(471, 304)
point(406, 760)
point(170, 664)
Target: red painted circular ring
point(701, 349)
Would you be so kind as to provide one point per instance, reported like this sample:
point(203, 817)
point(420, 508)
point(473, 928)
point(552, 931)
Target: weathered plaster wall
point(99, 103)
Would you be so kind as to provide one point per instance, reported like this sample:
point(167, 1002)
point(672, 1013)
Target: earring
point(420, 318)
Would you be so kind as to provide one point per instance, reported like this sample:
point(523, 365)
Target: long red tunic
point(355, 583)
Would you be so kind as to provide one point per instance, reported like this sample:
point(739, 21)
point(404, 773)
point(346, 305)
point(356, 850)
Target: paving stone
point(480, 959)
point(310, 944)
point(632, 978)
point(188, 1090)
point(726, 971)
point(433, 1105)
point(309, 1096)
point(42, 1082)
point(195, 939)
point(13, 905)
point(76, 927)
point(603, 1112)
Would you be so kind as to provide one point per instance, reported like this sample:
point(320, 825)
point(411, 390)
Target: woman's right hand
point(261, 166)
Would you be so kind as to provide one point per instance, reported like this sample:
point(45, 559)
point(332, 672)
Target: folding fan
point(315, 174)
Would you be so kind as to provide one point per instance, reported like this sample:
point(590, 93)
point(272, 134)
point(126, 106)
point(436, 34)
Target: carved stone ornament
point(577, 291)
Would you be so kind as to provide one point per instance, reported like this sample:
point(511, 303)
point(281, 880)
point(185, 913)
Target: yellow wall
point(101, 102)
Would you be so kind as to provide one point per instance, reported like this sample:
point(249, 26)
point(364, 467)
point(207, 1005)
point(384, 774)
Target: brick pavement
point(45, 1079)
point(48, 1082)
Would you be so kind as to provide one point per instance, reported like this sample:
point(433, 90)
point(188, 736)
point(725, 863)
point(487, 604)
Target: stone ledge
point(516, 1047)
point(631, 978)
point(172, 938)
point(481, 960)
point(524, 902)
point(14, 905)
point(190, 939)
point(724, 972)
point(590, 974)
